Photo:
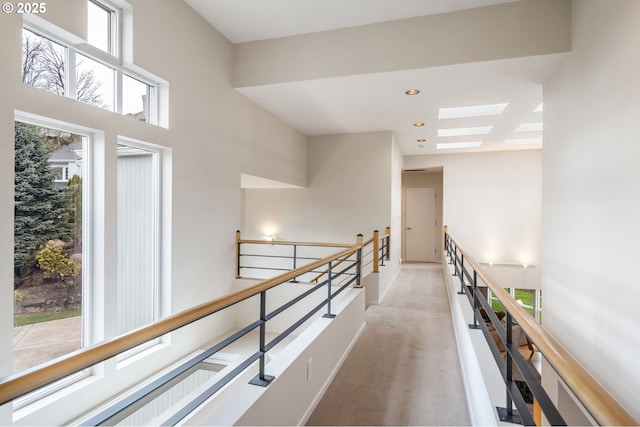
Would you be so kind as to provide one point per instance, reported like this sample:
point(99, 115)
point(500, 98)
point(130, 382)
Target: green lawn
point(28, 319)
point(525, 295)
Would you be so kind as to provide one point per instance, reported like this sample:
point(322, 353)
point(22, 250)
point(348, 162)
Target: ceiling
point(377, 102)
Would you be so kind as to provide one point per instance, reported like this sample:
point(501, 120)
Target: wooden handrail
point(373, 239)
point(600, 404)
point(19, 384)
point(284, 242)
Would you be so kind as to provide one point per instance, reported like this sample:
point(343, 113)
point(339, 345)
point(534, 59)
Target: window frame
point(88, 252)
point(157, 239)
point(115, 17)
point(74, 46)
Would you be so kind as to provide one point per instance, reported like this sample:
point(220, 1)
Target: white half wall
point(591, 197)
point(303, 370)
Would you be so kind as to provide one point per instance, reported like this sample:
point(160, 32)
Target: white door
point(420, 226)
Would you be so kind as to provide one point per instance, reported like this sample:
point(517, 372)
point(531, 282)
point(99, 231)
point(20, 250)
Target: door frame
point(430, 178)
point(429, 257)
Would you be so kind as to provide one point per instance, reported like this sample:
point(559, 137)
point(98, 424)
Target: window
point(50, 272)
point(61, 174)
point(94, 83)
point(138, 235)
point(530, 299)
point(59, 64)
point(135, 102)
point(100, 26)
point(55, 247)
point(43, 63)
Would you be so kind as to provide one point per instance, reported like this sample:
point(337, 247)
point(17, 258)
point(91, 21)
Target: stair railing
point(25, 382)
point(601, 406)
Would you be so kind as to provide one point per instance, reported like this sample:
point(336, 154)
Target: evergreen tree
point(41, 209)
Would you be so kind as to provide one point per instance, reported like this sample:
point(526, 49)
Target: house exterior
point(67, 161)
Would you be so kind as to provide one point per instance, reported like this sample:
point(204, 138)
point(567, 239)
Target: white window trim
point(115, 25)
point(74, 45)
point(88, 253)
point(158, 282)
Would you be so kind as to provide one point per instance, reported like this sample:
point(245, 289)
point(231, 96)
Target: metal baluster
point(262, 379)
point(237, 254)
point(295, 255)
point(358, 268)
point(461, 292)
point(328, 313)
point(509, 361)
point(455, 260)
point(475, 324)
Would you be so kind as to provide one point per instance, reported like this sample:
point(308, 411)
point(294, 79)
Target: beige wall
point(459, 37)
point(343, 198)
point(591, 200)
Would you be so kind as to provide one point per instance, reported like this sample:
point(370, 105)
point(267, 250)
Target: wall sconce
point(269, 237)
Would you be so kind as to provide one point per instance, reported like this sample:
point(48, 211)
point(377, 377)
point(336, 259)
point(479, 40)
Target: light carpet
point(404, 368)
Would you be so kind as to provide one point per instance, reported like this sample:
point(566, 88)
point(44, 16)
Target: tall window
point(138, 235)
point(50, 275)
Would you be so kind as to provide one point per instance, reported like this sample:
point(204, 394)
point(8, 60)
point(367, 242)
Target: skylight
point(451, 145)
point(529, 127)
point(472, 111)
point(523, 141)
point(477, 130)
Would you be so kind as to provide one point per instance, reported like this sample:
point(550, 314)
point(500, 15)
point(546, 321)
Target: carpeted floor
point(404, 369)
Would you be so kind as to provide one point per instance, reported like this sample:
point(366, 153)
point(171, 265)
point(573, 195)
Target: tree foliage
point(41, 210)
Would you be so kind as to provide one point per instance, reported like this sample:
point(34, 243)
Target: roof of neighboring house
point(67, 152)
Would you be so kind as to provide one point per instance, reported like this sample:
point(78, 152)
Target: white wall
point(349, 192)
point(491, 202)
point(214, 134)
point(591, 234)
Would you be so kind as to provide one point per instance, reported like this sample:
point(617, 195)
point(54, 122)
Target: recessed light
point(418, 124)
point(412, 92)
point(421, 140)
point(529, 127)
point(523, 141)
point(478, 130)
point(450, 145)
point(472, 111)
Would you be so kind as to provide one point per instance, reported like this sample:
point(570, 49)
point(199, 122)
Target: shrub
point(55, 263)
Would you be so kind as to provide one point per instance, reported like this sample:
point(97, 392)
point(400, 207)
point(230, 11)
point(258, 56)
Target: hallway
point(404, 369)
